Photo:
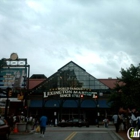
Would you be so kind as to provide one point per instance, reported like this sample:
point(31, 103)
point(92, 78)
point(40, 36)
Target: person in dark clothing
point(117, 121)
point(17, 119)
point(124, 120)
point(10, 121)
point(43, 123)
point(97, 122)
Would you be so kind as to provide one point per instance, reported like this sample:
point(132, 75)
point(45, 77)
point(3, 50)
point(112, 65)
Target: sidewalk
point(123, 134)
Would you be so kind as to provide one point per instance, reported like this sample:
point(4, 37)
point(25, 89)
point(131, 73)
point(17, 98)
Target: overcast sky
point(102, 36)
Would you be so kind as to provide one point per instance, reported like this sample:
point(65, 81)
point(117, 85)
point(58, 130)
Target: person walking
point(133, 119)
point(43, 123)
point(138, 121)
point(123, 116)
point(117, 121)
point(106, 122)
point(115, 117)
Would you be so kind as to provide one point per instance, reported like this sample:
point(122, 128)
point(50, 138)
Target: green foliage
point(127, 90)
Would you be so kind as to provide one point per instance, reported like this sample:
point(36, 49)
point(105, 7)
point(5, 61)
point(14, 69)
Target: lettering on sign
point(67, 92)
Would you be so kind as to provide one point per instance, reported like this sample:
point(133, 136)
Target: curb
point(117, 135)
point(23, 133)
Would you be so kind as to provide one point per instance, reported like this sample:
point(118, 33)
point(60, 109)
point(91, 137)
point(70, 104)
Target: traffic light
point(81, 96)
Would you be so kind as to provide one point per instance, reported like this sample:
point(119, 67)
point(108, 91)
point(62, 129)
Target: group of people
point(129, 118)
point(37, 121)
point(13, 119)
point(126, 118)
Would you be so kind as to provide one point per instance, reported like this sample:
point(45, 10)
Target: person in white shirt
point(115, 118)
point(133, 119)
point(138, 121)
point(106, 122)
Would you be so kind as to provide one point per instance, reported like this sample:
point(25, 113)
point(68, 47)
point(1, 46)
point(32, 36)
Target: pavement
point(121, 135)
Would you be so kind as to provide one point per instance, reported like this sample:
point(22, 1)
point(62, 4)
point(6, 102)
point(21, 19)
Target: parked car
point(4, 129)
point(74, 122)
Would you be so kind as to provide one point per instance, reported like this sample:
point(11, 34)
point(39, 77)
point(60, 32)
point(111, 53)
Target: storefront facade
point(69, 93)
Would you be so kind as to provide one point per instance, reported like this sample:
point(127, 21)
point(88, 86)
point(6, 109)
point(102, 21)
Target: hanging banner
point(13, 77)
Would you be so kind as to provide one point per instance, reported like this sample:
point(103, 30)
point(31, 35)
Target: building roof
point(109, 82)
point(71, 62)
point(36, 79)
point(34, 82)
point(38, 76)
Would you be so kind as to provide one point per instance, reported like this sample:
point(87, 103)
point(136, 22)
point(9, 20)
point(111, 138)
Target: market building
point(69, 93)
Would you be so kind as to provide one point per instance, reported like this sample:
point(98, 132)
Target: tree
point(127, 89)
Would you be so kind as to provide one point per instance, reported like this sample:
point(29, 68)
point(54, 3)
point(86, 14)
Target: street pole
point(43, 104)
point(6, 107)
point(95, 97)
point(98, 114)
point(8, 93)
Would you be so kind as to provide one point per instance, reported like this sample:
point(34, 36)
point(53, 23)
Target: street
point(71, 133)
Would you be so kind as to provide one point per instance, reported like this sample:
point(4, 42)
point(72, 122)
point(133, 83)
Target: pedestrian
point(117, 121)
point(43, 123)
point(97, 122)
point(106, 122)
point(17, 119)
point(138, 121)
point(123, 116)
point(133, 119)
point(11, 122)
point(51, 122)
